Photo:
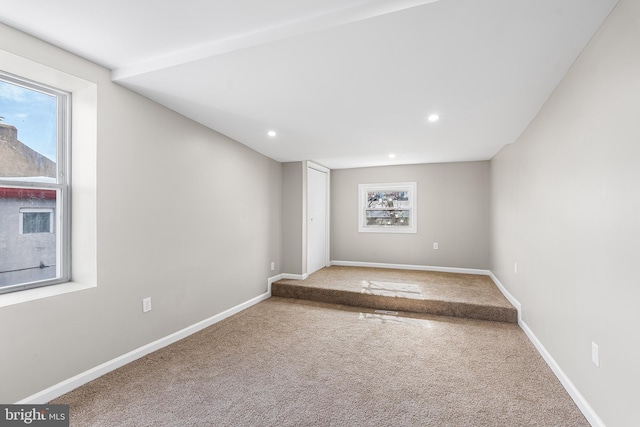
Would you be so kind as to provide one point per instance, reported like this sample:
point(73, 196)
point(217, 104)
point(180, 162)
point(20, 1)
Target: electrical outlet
point(595, 355)
point(435, 245)
point(273, 266)
point(146, 305)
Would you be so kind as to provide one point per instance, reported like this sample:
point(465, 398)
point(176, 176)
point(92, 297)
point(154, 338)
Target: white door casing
point(317, 218)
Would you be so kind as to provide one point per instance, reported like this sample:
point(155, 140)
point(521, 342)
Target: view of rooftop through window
point(33, 113)
point(28, 155)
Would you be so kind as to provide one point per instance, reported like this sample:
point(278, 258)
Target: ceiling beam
point(362, 11)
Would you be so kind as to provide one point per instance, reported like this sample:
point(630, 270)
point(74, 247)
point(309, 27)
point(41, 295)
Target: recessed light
point(392, 156)
point(433, 118)
point(272, 133)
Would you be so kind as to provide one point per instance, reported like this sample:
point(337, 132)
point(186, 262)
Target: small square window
point(36, 221)
point(387, 208)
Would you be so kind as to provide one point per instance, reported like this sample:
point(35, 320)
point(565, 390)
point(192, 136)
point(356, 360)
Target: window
point(34, 184)
point(36, 221)
point(387, 208)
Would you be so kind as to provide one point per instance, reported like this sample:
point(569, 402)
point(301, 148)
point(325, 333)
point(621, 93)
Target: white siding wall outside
point(23, 254)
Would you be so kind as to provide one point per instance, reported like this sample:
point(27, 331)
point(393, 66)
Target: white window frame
point(62, 219)
point(412, 206)
point(36, 210)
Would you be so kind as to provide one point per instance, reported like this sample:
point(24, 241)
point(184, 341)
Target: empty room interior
point(347, 212)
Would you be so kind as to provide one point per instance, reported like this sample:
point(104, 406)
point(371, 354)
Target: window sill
point(19, 297)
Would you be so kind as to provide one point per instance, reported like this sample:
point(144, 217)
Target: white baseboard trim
point(72, 383)
point(411, 267)
point(270, 281)
point(294, 276)
point(514, 302)
point(568, 385)
point(586, 409)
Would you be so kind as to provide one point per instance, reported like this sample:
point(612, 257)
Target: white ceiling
point(342, 82)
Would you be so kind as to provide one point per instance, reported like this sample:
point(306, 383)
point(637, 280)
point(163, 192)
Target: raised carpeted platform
point(448, 294)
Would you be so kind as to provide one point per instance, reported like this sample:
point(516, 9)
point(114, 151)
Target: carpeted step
point(400, 298)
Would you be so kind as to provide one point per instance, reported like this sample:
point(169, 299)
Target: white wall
point(180, 213)
point(566, 208)
point(453, 210)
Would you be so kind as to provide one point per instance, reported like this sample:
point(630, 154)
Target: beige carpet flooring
point(449, 294)
point(289, 362)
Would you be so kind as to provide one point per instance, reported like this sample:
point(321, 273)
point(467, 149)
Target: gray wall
point(184, 215)
point(566, 208)
point(292, 217)
point(453, 210)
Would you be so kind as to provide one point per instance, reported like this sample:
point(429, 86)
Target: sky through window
point(33, 113)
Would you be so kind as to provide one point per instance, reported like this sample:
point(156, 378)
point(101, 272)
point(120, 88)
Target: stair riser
point(378, 302)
